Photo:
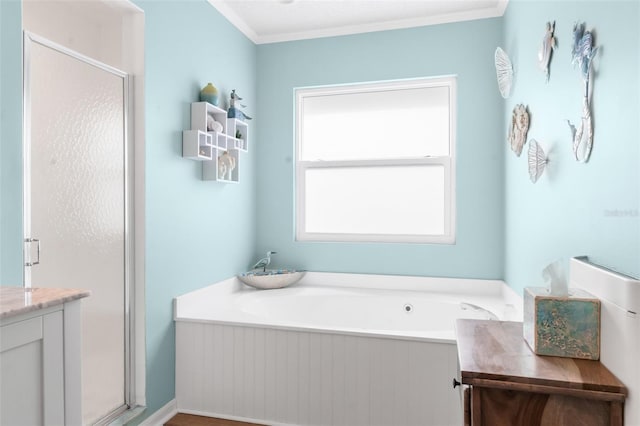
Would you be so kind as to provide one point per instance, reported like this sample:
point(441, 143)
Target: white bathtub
point(334, 349)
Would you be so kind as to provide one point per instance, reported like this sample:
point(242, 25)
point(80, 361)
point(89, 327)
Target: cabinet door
point(505, 407)
point(466, 405)
point(31, 372)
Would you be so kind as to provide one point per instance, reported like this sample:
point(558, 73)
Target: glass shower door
point(75, 205)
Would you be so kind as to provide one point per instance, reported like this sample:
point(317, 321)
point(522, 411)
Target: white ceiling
point(270, 21)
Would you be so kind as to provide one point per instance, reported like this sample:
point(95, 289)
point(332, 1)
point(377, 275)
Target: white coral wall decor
point(226, 165)
point(518, 128)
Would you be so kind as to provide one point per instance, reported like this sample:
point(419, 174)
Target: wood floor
point(191, 420)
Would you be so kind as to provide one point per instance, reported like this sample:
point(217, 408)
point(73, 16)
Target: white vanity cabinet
point(40, 349)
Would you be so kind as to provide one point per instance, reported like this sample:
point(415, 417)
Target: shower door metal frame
point(129, 181)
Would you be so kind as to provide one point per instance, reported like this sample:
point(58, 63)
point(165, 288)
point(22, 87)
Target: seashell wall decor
point(518, 129)
point(504, 72)
point(537, 160)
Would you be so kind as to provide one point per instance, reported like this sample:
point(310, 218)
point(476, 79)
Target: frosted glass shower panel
point(373, 200)
point(77, 175)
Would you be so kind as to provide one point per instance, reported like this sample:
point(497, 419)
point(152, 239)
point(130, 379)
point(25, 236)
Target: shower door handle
point(33, 240)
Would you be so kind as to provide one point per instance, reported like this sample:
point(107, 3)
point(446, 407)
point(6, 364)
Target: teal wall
point(11, 142)
point(575, 209)
point(197, 232)
point(464, 49)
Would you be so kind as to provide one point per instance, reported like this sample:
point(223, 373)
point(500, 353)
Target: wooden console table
point(510, 385)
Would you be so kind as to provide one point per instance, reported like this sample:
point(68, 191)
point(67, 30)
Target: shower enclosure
point(77, 215)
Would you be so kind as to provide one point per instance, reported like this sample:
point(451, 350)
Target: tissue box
point(567, 326)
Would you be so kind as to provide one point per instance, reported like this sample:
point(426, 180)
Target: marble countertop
point(19, 300)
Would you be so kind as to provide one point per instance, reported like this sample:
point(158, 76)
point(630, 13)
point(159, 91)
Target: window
point(375, 162)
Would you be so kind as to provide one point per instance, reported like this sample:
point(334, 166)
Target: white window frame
point(447, 162)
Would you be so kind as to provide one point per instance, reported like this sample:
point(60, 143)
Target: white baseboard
point(234, 418)
point(163, 415)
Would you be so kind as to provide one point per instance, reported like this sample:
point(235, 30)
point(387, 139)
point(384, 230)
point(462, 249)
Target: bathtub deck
point(181, 419)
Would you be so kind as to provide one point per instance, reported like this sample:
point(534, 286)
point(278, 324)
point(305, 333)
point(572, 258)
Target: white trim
point(448, 163)
point(73, 362)
point(125, 7)
point(370, 86)
point(235, 20)
point(72, 53)
point(374, 163)
point(163, 415)
point(133, 24)
point(243, 27)
point(26, 155)
point(501, 7)
point(234, 418)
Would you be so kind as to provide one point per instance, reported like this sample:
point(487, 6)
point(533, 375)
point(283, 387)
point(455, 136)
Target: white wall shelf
point(211, 170)
point(203, 144)
point(220, 140)
point(197, 145)
point(238, 132)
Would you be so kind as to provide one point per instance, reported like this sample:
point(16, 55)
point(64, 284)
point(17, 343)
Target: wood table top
point(497, 351)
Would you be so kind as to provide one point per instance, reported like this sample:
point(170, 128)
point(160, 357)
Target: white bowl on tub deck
point(271, 279)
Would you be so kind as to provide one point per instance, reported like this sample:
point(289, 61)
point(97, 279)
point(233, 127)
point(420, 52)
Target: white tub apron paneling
point(310, 378)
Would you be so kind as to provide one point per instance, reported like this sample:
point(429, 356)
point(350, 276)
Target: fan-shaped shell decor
point(504, 72)
point(546, 48)
point(518, 129)
point(537, 160)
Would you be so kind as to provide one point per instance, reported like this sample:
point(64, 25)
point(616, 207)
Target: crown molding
point(242, 26)
point(235, 20)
